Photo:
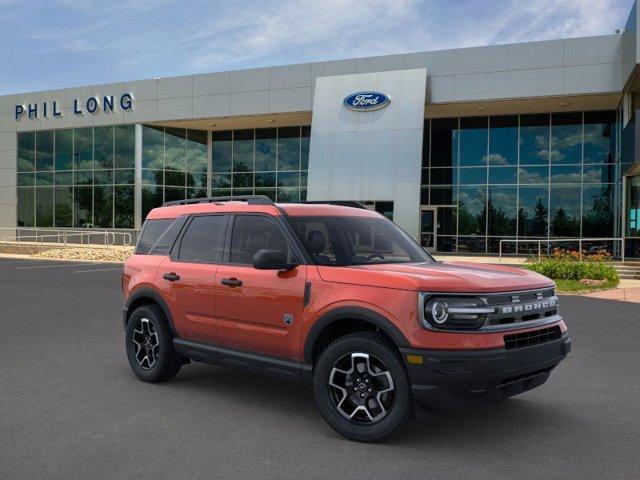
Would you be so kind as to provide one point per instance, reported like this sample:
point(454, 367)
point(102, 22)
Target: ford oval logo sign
point(366, 101)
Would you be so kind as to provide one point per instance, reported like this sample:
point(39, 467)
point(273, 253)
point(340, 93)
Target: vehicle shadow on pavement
point(515, 419)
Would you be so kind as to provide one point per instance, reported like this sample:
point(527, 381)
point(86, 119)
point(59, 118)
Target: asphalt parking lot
point(71, 408)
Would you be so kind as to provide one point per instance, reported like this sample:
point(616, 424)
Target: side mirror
point(272, 260)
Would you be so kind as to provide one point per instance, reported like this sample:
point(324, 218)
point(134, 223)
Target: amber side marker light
point(415, 359)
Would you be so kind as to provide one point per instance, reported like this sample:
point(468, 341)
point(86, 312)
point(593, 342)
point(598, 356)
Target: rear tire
point(362, 388)
point(149, 345)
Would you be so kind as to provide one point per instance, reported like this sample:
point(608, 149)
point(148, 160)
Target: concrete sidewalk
point(627, 291)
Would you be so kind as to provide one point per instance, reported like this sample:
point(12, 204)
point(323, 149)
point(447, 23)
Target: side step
point(250, 362)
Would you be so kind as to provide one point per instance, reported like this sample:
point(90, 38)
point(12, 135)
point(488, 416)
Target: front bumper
point(453, 379)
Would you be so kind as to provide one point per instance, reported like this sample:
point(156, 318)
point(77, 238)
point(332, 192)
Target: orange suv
point(338, 296)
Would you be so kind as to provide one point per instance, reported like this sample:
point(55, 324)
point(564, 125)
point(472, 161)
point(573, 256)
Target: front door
point(428, 222)
point(259, 310)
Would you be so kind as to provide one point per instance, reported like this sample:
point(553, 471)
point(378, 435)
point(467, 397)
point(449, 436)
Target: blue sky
point(46, 44)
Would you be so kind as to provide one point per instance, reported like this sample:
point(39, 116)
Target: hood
point(438, 277)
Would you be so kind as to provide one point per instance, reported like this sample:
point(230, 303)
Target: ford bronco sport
point(337, 296)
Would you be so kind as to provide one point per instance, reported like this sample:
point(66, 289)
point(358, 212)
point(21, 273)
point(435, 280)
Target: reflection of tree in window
point(64, 207)
point(471, 212)
point(597, 219)
point(44, 207)
point(537, 225)
point(563, 225)
point(123, 206)
point(565, 211)
point(501, 208)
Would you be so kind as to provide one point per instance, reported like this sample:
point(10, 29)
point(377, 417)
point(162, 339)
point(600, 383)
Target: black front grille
point(535, 337)
point(527, 296)
point(519, 307)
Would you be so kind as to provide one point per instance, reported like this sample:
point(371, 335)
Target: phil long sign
point(91, 105)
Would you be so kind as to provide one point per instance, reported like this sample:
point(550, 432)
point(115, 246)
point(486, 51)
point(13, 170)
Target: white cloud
point(495, 159)
point(329, 29)
point(146, 38)
point(529, 175)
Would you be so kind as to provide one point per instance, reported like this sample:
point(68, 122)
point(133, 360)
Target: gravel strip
point(94, 254)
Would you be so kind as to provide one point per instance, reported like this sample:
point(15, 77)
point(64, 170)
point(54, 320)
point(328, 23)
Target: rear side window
point(167, 239)
point(203, 241)
point(151, 232)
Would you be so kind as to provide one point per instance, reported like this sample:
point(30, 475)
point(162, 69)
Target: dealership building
point(462, 148)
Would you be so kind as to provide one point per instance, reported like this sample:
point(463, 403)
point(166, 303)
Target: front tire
point(149, 345)
point(362, 388)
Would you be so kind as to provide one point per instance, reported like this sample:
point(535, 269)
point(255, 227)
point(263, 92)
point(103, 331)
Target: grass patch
point(567, 268)
point(574, 286)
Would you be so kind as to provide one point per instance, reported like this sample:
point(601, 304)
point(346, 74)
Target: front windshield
point(344, 241)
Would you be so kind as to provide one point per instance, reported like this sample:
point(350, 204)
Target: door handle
point(231, 282)
point(172, 277)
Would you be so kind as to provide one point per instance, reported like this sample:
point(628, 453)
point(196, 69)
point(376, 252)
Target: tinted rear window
point(151, 232)
point(168, 238)
point(204, 239)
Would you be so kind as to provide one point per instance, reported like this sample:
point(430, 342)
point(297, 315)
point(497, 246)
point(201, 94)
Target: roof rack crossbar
point(250, 199)
point(342, 203)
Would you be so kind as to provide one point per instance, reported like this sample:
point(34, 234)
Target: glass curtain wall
point(521, 177)
point(265, 161)
point(81, 177)
point(84, 177)
point(174, 165)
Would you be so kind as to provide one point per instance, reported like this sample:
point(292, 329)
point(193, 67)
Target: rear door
point(187, 278)
point(259, 310)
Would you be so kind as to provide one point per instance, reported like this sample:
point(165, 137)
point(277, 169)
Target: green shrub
point(572, 270)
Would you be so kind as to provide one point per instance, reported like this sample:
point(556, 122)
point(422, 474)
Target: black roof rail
point(342, 203)
point(250, 199)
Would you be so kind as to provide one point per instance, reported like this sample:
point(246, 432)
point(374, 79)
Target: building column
point(137, 189)
point(209, 161)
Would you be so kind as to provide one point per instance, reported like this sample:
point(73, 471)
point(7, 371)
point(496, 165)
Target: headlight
point(455, 312)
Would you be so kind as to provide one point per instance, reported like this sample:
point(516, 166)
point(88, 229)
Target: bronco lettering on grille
point(528, 307)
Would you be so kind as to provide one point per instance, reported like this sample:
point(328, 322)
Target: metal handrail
point(548, 241)
point(109, 238)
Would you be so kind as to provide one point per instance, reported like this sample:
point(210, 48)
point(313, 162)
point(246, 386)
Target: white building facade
point(462, 148)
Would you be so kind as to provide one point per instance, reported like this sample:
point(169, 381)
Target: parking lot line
point(56, 266)
point(98, 270)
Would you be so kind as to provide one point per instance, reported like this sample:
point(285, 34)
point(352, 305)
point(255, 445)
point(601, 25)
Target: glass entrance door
point(428, 222)
point(632, 216)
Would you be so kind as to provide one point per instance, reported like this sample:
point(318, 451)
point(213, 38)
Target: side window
point(168, 238)
point(252, 233)
point(204, 239)
point(315, 235)
point(151, 232)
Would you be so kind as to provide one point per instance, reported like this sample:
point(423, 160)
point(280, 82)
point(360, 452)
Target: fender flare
point(356, 313)
point(145, 292)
